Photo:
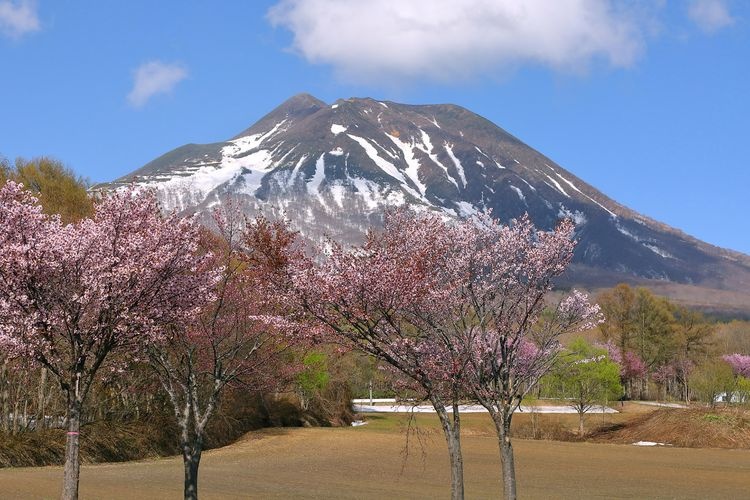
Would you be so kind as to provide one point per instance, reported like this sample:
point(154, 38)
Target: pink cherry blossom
point(740, 363)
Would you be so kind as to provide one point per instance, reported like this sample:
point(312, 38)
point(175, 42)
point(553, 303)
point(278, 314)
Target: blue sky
point(649, 101)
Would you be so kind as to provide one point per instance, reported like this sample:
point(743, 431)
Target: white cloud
point(18, 18)
point(448, 40)
point(153, 78)
point(710, 15)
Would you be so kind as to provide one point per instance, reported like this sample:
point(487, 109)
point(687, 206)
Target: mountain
point(333, 169)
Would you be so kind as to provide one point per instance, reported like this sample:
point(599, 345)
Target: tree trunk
point(452, 432)
point(580, 423)
point(72, 464)
point(502, 426)
point(14, 429)
point(457, 462)
point(191, 457)
point(39, 423)
point(5, 395)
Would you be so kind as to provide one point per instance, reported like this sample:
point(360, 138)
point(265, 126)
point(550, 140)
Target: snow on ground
point(402, 408)
point(664, 405)
point(658, 251)
point(374, 400)
point(368, 190)
point(650, 443)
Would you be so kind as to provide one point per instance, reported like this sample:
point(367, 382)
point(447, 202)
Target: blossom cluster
point(70, 294)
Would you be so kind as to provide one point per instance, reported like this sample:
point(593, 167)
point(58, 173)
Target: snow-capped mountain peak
point(333, 169)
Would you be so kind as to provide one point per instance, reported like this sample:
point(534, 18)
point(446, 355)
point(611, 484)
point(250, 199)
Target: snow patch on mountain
point(412, 169)
point(386, 166)
point(337, 129)
point(313, 185)
point(627, 233)
point(369, 191)
point(518, 192)
point(295, 171)
point(578, 217)
point(581, 192)
point(466, 209)
point(648, 243)
point(456, 162)
point(338, 192)
point(658, 251)
point(557, 185)
point(429, 150)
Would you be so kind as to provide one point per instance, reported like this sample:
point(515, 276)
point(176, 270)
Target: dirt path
point(362, 463)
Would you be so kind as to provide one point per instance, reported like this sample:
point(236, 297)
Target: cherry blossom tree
point(72, 295)
point(232, 341)
point(633, 369)
point(386, 298)
point(664, 376)
point(507, 326)
point(458, 307)
point(740, 364)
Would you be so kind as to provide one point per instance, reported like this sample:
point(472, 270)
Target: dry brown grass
point(689, 428)
point(152, 437)
point(100, 442)
point(368, 462)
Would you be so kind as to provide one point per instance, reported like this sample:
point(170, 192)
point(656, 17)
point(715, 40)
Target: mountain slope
point(333, 169)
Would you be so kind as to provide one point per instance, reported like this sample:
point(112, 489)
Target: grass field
point(369, 462)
